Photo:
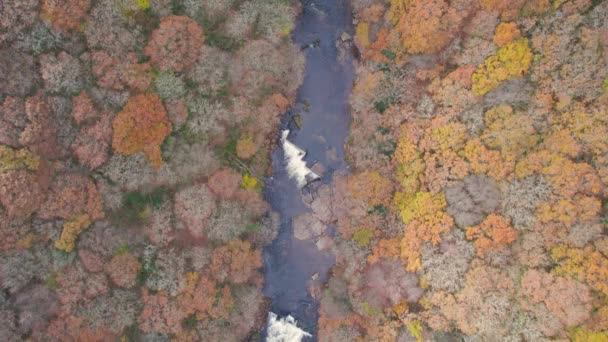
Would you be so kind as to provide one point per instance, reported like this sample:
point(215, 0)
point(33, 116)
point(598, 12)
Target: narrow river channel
point(319, 125)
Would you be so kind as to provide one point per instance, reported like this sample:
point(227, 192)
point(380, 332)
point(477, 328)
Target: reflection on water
point(319, 126)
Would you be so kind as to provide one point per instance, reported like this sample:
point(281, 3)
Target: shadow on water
point(322, 106)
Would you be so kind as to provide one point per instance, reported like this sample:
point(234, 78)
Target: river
point(322, 107)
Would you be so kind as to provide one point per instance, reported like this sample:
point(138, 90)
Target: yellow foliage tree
point(586, 265)
point(409, 164)
point(510, 132)
point(16, 159)
point(426, 221)
point(71, 230)
point(419, 206)
point(362, 35)
point(249, 182)
point(511, 61)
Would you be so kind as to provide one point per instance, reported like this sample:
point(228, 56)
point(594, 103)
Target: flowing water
point(322, 117)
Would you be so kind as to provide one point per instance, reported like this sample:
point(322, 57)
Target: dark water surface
point(322, 103)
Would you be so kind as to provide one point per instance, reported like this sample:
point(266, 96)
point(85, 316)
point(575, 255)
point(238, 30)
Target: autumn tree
point(141, 126)
point(161, 314)
point(117, 73)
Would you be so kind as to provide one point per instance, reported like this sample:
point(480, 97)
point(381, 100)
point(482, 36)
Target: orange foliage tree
point(426, 221)
point(566, 177)
point(370, 186)
point(506, 33)
point(141, 126)
point(492, 234)
point(236, 261)
point(485, 161)
point(426, 26)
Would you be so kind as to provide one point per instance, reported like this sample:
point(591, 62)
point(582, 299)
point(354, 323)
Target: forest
point(487, 123)
point(136, 137)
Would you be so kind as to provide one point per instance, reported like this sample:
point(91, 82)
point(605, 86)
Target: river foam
point(284, 329)
point(296, 166)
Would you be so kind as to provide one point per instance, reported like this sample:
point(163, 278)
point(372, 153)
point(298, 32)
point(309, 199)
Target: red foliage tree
point(567, 299)
point(193, 206)
point(92, 144)
point(71, 195)
point(71, 328)
point(118, 73)
point(176, 43)
point(82, 108)
point(12, 120)
point(66, 14)
point(91, 261)
point(20, 193)
point(141, 126)
point(123, 269)
point(160, 314)
point(40, 132)
point(225, 183)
